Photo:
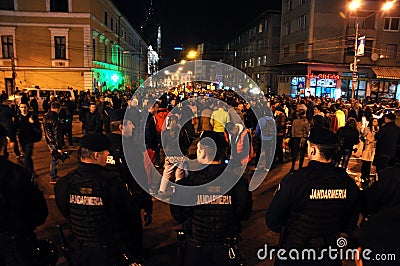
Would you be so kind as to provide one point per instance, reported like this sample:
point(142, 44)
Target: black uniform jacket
point(317, 200)
point(78, 190)
point(240, 199)
point(22, 205)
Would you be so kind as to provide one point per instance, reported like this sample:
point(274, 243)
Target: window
point(105, 18)
point(301, 22)
point(264, 60)
point(260, 28)
point(388, 51)
point(58, 5)
point(287, 28)
point(94, 49)
point(7, 5)
point(354, 20)
point(266, 25)
point(259, 44)
point(302, 2)
point(286, 51)
point(288, 5)
point(112, 23)
point(7, 46)
point(300, 48)
point(259, 61)
point(391, 24)
point(105, 53)
point(60, 47)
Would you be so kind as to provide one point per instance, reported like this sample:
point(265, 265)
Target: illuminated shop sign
point(323, 76)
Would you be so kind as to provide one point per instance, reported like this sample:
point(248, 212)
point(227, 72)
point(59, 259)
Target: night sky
point(189, 23)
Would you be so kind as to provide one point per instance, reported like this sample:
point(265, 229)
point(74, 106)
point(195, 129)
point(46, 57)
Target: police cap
point(212, 139)
point(323, 136)
point(116, 114)
point(95, 142)
point(390, 116)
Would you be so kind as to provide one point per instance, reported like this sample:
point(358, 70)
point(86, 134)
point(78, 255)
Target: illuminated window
point(260, 28)
point(7, 46)
point(259, 61)
point(264, 60)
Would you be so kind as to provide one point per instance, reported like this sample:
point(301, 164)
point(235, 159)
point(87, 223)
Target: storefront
point(386, 84)
point(347, 85)
point(316, 84)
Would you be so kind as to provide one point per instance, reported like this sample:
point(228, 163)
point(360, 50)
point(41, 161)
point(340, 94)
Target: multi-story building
point(255, 50)
point(84, 45)
point(318, 46)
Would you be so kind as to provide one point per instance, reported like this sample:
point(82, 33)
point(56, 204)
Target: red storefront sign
point(323, 76)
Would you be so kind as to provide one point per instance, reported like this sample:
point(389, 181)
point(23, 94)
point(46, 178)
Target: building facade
point(84, 45)
point(255, 51)
point(318, 46)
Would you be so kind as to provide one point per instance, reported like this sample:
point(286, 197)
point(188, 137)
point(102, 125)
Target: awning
point(387, 72)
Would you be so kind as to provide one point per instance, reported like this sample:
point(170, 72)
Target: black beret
point(323, 136)
point(116, 114)
point(95, 142)
point(208, 138)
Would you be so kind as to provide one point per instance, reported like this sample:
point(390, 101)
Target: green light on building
point(109, 79)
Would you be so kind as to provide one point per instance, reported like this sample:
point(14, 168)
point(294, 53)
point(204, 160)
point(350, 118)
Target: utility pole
point(354, 66)
point(14, 74)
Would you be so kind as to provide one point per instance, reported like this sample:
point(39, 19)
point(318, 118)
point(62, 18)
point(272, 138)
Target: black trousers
point(279, 149)
point(27, 148)
point(84, 255)
point(216, 255)
point(16, 251)
point(298, 149)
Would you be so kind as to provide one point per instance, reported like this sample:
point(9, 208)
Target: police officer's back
point(209, 225)
point(122, 130)
point(97, 206)
point(22, 208)
point(315, 205)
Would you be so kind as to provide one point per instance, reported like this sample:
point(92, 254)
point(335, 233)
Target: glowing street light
point(353, 6)
point(192, 54)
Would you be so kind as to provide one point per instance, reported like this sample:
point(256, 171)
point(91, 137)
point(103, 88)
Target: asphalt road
point(160, 237)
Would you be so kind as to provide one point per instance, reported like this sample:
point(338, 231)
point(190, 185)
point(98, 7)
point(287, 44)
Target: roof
point(387, 72)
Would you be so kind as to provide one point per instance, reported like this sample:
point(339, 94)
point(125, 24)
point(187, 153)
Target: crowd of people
point(106, 205)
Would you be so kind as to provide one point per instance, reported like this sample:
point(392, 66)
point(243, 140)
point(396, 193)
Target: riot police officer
point(23, 208)
point(312, 207)
point(98, 207)
point(209, 227)
point(122, 130)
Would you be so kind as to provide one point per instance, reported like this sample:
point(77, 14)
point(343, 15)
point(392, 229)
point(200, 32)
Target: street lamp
point(353, 6)
point(192, 54)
